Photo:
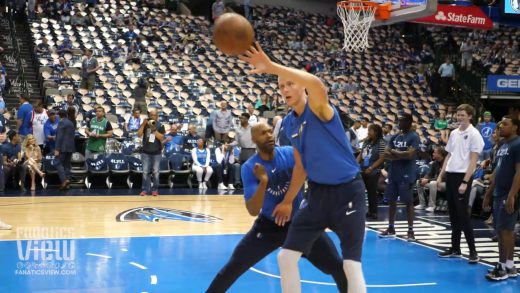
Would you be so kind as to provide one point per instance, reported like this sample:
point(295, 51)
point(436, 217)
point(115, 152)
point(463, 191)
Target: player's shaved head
point(258, 128)
point(262, 136)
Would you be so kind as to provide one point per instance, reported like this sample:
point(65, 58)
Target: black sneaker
point(512, 272)
point(473, 257)
point(388, 233)
point(449, 253)
point(410, 236)
point(498, 274)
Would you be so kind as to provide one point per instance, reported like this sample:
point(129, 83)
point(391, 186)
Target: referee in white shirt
point(464, 146)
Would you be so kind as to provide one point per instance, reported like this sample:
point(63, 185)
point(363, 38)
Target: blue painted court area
point(188, 263)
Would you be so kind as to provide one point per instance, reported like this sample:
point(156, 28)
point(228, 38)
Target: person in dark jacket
point(64, 148)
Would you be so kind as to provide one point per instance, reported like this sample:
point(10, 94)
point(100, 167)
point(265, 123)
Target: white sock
point(503, 265)
point(510, 263)
point(289, 272)
point(355, 278)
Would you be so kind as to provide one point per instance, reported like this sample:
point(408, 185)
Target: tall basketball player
point(322, 153)
point(266, 176)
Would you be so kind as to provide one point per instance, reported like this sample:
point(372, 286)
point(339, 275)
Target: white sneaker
point(430, 209)
point(222, 186)
point(204, 186)
point(201, 185)
point(231, 187)
point(4, 226)
point(419, 207)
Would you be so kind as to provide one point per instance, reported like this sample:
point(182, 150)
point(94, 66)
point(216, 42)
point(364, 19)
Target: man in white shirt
point(447, 72)
point(244, 140)
point(39, 118)
point(253, 119)
point(362, 131)
point(464, 146)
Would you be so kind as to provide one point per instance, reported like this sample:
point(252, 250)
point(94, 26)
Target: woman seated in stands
point(263, 105)
point(201, 160)
point(441, 125)
point(33, 157)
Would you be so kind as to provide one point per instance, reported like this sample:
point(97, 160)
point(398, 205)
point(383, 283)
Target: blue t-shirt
point(507, 157)
point(51, 129)
point(11, 150)
point(134, 124)
point(25, 114)
point(323, 146)
point(404, 170)
point(486, 130)
point(279, 171)
point(201, 156)
point(172, 144)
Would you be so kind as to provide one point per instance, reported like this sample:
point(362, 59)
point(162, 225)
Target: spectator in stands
point(199, 48)
point(130, 35)
point(172, 140)
point(190, 140)
point(263, 105)
point(182, 122)
point(350, 85)
point(31, 9)
point(139, 94)
point(3, 78)
point(43, 47)
point(2, 104)
point(447, 72)
point(402, 151)
point(253, 119)
point(3, 131)
point(372, 158)
point(70, 104)
point(90, 20)
point(441, 124)
point(201, 160)
point(134, 123)
point(63, 47)
point(387, 132)
point(351, 134)
point(279, 134)
point(486, 129)
point(466, 50)
point(227, 164)
point(217, 9)
point(50, 129)
point(152, 132)
point(478, 185)
point(61, 69)
point(222, 123)
point(429, 181)
point(451, 116)
point(118, 19)
point(120, 52)
point(362, 131)
point(39, 117)
point(24, 117)
point(77, 19)
point(32, 161)
point(89, 67)
point(64, 149)
point(98, 130)
point(12, 158)
point(464, 147)
point(243, 139)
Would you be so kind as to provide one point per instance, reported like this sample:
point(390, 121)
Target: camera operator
point(152, 133)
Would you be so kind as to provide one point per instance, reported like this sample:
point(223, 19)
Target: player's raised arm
point(317, 91)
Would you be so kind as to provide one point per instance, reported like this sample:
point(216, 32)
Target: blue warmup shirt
point(486, 130)
point(25, 114)
point(174, 143)
point(507, 157)
point(279, 171)
point(201, 156)
point(404, 170)
point(323, 146)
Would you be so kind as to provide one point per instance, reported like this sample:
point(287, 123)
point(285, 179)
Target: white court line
point(334, 284)
point(153, 279)
point(98, 255)
point(138, 265)
point(124, 249)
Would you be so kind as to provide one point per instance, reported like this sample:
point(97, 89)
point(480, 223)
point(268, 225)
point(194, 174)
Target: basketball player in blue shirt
point(401, 151)
point(323, 154)
point(266, 177)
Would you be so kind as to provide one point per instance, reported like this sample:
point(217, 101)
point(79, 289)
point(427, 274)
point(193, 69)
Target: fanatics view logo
point(459, 18)
point(153, 214)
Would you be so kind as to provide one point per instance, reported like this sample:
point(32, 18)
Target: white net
point(356, 18)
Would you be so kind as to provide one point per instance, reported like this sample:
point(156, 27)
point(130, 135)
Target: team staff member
point(266, 177)
point(464, 147)
point(504, 188)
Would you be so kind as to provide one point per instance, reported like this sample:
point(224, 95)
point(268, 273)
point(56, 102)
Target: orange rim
point(382, 10)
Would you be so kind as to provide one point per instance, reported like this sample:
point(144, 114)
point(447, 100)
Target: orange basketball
point(233, 34)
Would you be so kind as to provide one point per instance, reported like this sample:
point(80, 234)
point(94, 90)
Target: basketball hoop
point(357, 16)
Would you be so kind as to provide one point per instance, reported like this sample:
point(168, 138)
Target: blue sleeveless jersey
point(323, 146)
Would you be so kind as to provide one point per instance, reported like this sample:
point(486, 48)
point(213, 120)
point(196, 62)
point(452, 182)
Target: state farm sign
point(462, 16)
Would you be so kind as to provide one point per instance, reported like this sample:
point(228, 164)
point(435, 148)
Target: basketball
point(233, 34)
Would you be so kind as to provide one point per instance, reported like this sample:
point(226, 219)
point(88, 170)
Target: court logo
point(153, 214)
point(45, 252)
